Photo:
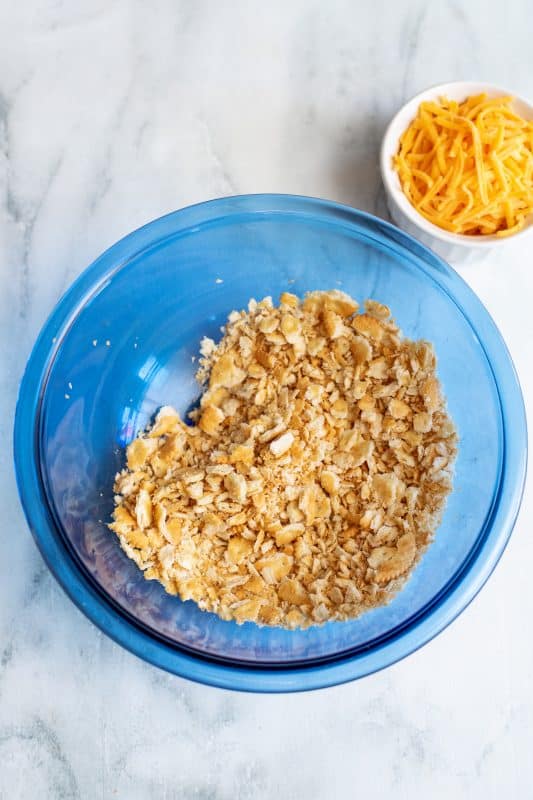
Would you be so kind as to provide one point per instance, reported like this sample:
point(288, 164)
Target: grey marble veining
point(113, 112)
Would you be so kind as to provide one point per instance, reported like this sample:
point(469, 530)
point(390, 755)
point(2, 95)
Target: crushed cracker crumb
point(314, 476)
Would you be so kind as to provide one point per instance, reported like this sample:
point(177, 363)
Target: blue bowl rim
point(121, 629)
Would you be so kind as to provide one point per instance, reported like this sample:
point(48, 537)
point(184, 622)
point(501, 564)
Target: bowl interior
point(130, 348)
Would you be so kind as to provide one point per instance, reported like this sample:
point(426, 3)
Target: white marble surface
point(111, 113)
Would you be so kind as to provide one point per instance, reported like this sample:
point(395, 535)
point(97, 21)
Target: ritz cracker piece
point(315, 473)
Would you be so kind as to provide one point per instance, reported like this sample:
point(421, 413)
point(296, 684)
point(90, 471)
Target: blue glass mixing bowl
point(121, 343)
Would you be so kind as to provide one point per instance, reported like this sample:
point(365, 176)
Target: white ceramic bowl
point(451, 246)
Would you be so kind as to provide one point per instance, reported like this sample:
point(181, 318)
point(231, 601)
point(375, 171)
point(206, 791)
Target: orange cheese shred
point(468, 167)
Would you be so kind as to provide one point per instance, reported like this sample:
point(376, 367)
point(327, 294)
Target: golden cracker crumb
point(314, 477)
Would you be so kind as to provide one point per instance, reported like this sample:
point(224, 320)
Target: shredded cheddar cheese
point(468, 167)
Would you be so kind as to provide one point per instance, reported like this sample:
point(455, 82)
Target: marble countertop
point(113, 112)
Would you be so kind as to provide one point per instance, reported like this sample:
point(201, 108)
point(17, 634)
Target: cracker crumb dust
point(313, 477)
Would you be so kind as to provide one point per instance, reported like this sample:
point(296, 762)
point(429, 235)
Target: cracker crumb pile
point(313, 477)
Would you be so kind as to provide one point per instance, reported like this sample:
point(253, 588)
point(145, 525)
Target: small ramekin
point(452, 247)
